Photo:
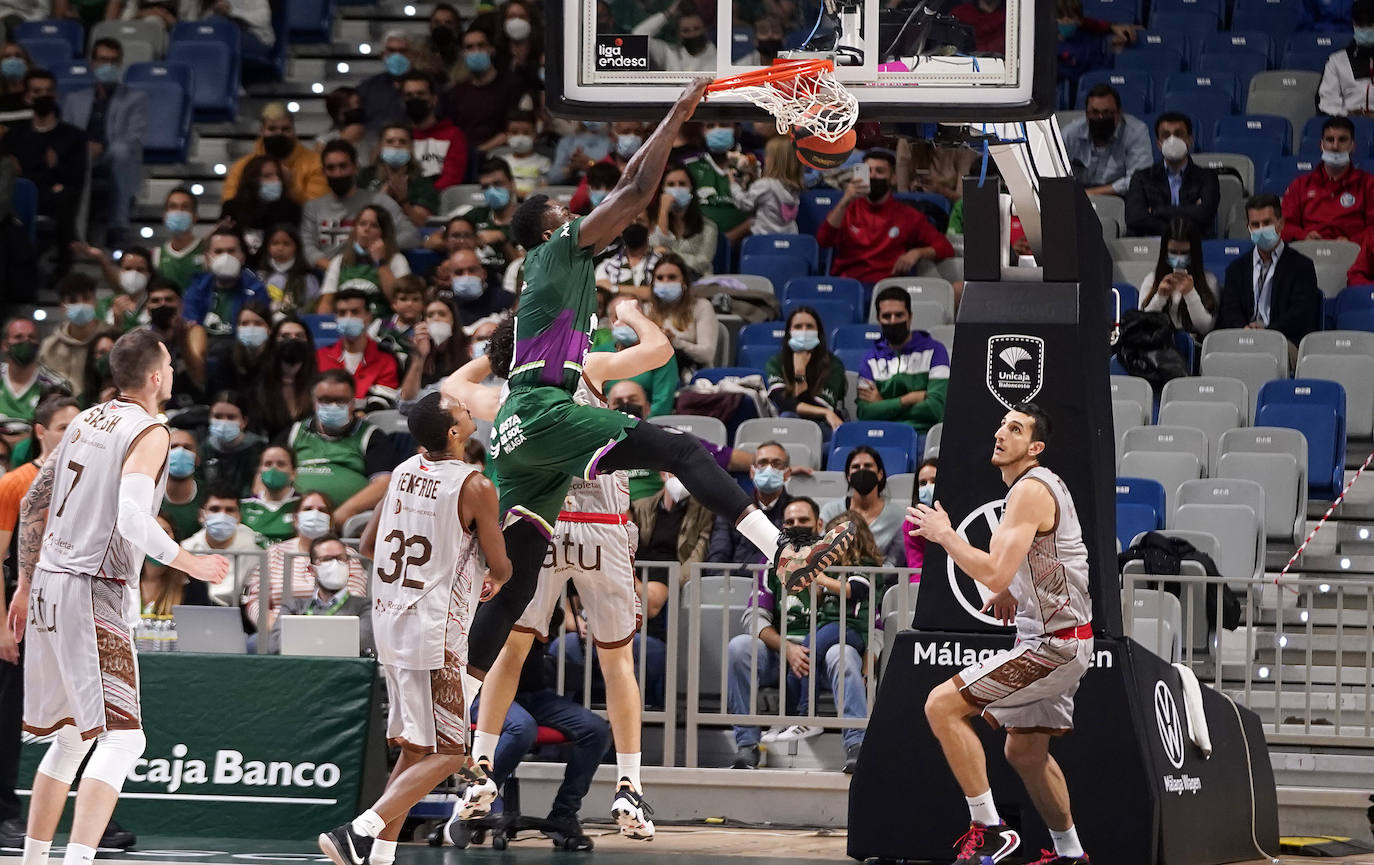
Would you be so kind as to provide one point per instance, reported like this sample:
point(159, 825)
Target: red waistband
point(604, 519)
point(1080, 632)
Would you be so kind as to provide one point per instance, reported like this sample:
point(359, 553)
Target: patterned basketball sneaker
point(798, 566)
point(631, 812)
point(478, 795)
point(343, 846)
point(1049, 857)
point(986, 845)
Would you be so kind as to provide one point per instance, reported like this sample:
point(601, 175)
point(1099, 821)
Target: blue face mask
point(477, 61)
point(252, 335)
point(668, 292)
point(624, 334)
point(177, 221)
point(1067, 31)
point(270, 190)
point(181, 463)
point(1364, 36)
point(107, 73)
point(80, 313)
point(395, 156)
point(468, 287)
point(13, 67)
point(596, 196)
point(927, 495)
point(350, 327)
point(1266, 237)
point(626, 145)
point(682, 196)
point(397, 64)
point(1180, 262)
point(497, 197)
point(720, 139)
point(768, 479)
point(225, 431)
point(804, 340)
point(333, 416)
point(360, 251)
point(220, 527)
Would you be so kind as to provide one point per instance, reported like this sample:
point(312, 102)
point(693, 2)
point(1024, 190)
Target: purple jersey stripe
point(560, 342)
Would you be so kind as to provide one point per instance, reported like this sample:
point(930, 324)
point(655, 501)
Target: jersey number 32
point(400, 562)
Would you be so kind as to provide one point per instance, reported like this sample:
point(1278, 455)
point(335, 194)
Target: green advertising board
point(245, 746)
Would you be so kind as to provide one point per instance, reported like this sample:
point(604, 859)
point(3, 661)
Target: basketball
point(816, 152)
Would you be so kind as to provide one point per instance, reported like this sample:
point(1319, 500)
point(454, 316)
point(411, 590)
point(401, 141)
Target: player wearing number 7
point(84, 527)
point(426, 538)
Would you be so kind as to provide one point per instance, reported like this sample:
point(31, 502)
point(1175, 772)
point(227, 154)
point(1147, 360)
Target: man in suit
point(1275, 286)
point(1176, 186)
point(115, 119)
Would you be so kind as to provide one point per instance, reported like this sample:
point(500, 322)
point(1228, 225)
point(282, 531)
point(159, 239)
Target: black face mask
point(162, 316)
point(633, 409)
point(878, 188)
point(800, 536)
point(1101, 128)
point(342, 186)
point(768, 47)
point(353, 117)
point(863, 481)
point(23, 353)
point(635, 236)
point(417, 109)
point(694, 44)
point(293, 350)
point(45, 105)
point(895, 334)
point(444, 39)
point(278, 146)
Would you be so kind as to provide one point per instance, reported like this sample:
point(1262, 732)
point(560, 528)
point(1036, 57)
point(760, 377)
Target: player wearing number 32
point(427, 538)
point(1037, 566)
point(84, 527)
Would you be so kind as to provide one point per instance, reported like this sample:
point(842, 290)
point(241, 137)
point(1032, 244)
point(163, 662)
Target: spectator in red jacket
point(355, 351)
point(874, 235)
point(1362, 271)
point(1333, 201)
point(440, 147)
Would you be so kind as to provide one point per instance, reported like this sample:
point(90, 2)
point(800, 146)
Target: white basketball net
point(815, 102)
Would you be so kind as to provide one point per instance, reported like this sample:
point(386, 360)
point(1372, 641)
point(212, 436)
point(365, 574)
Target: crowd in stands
point(334, 283)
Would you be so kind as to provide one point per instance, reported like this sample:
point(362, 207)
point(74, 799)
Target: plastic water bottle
point(171, 634)
point(143, 636)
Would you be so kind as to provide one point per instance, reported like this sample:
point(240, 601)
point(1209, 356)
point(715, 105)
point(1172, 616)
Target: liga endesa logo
point(621, 53)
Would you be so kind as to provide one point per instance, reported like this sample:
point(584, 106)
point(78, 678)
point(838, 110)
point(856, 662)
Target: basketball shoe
point(1049, 857)
point(478, 795)
point(632, 812)
point(798, 566)
point(343, 846)
point(986, 845)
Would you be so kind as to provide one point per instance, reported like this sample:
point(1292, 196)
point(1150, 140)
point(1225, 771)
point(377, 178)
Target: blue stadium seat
point(895, 460)
point(1311, 145)
point(268, 65)
point(1115, 11)
point(49, 53)
point(1218, 254)
point(1266, 126)
point(756, 355)
point(1260, 150)
point(852, 358)
point(68, 30)
point(1238, 42)
point(1193, 26)
point(1196, 82)
point(1242, 64)
point(323, 329)
point(741, 42)
point(854, 336)
point(310, 21)
point(1130, 295)
point(1281, 172)
point(169, 87)
point(1215, 8)
point(72, 77)
point(933, 198)
point(778, 268)
point(1140, 507)
point(1156, 60)
point(1199, 105)
point(1135, 87)
point(1353, 308)
point(422, 261)
point(212, 48)
point(832, 312)
point(815, 204)
point(1356, 319)
point(24, 200)
point(808, 288)
point(875, 434)
point(1316, 408)
point(800, 245)
point(716, 373)
point(758, 342)
point(1278, 18)
point(1311, 50)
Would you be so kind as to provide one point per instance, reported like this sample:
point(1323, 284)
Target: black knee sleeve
point(526, 546)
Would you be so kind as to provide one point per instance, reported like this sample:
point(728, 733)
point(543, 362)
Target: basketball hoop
point(799, 94)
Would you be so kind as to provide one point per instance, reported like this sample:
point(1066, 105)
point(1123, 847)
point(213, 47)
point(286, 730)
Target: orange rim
point(781, 70)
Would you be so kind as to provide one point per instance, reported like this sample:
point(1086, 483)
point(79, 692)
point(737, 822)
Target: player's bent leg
point(949, 713)
point(526, 545)
point(648, 446)
point(1029, 754)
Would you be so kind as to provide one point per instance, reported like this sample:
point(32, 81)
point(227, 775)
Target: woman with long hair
point(441, 346)
point(805, 379)
point(370, 261)
point(518, 43)
point(161, 587)
point(1180, 286)
point(867, 476)
point(15, 63)
point(679, 225)
point(690, 322)
point(261, 201)
point(282, 394)
point(397, 173)
point(291, 282)
point(244, 360)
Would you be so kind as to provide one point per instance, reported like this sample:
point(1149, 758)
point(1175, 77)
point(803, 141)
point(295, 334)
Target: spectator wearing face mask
point(1335, 200)
point(380, 94)
point(905, 376)
point(805, 379)
point(529, 168)
point(186, 340)
point(284, 393)
point(215, 298)
point(327, 222)
point(441, 346)
point(314, 518)
point(291, 283)
point(630, 265)
point(345, 109)
point(270, 509)
point(689, 321)
point(331, 566)
point(370, 263)
point(440, 148)
point(357, 353)
point(260, 202)
point(64, 350)
point(478, 105)
point(658, 385)
point(53, 154)
point(397, 173)
point(493, 219)
point(475, 295)
point(520, 43)
point(99, 382)
point(344, 457)
point(1174, 187)
point(1084, 44)
point(234, 363)
point(1346, 88)
point(439, 55)
point(1107, 147)
point(774, 198)
point(867, 477)
point(1180, 286)
point(182, 500)
point(300, 177)
point(23, 379)
point(229, 456)
point(768, 36)
point(693, 50)
point(15, 63)
point(127, 276)
point(602, 177)
point(770, 471)
point(180, 255)
point(225, 535)
point(680, 226)
point(590, 144)
point(711, 174)
point(925, 494)
point(673, 526)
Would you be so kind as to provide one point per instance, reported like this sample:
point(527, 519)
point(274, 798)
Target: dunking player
point(78, 581)
point(425, 538)
point(594, 518)
point(543, 438)
point(1037, 565)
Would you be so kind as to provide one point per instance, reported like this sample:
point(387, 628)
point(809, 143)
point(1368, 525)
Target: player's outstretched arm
point(138, 502)
point(33, 516)
point(651, 352)
point(477, 506)
point(465, 385)
point(639, 182)
point(1029, 508)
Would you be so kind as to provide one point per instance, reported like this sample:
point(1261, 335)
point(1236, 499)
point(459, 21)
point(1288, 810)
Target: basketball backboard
point(905, 60)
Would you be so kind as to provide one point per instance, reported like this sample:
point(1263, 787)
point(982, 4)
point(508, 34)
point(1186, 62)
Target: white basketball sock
point(627, 766)
point(982, 810)
point(383, 852)
point(369, 823)
point(484, 746)
point(35, 851)
point(761, 533)
point(1066, 842)
point(78, 854)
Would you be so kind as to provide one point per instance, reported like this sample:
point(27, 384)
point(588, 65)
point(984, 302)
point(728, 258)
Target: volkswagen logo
point(977, 529)
point(1170, 730)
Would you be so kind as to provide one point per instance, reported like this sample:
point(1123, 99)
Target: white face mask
point(132, 281)
point(518, 29)
point(1173, 148)
point(332, 575)
point(440, 331)
point(283, 266)
point(676, 490)
point(225, 266)
point(312, 524)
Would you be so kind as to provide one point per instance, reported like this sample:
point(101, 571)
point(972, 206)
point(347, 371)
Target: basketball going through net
point(807, 101)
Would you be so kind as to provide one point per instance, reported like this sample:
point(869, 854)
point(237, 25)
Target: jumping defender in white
point(1037, 565)
point(427, 538)
point(84, 527)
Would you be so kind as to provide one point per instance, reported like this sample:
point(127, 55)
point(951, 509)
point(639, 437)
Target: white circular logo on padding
point(1170, 730)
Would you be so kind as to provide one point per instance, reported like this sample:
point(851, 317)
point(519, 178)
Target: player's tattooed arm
point(33, 516)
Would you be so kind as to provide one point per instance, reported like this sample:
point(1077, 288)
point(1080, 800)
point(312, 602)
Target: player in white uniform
point(595, 520)
point(427, 539)
point(84, 527)
point(1037, 565)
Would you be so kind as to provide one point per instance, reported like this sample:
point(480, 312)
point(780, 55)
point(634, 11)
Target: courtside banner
point(243, 746)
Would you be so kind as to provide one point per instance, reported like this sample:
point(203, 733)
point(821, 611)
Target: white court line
point(214, 797)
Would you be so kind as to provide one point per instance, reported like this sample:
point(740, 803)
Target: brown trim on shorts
point(959, 685)
point(618, 643)
point(93, 732)
point(44, 731)
point(1052, 731)
point(541, 637)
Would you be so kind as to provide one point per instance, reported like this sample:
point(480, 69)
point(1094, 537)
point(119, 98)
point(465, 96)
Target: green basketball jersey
point(271, 521)
point(19, 405)
point(364, 277)
point(180, 267)
point(557, 304)
point(334, 466)
point(185, 517)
